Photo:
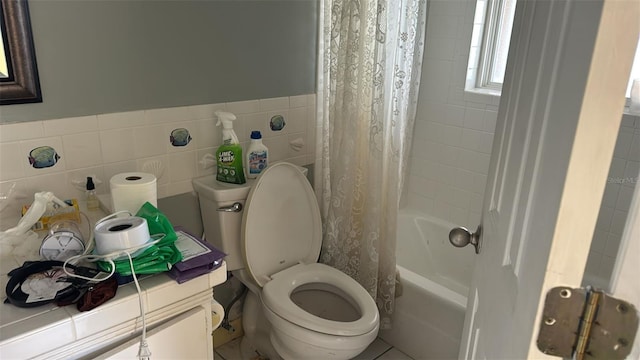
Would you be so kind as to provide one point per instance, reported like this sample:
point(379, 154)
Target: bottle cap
point(255, 134)
point(90, 184)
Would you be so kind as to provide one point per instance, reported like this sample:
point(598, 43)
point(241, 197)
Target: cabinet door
point(183, 337)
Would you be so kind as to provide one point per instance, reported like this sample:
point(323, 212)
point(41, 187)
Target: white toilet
point(271, 230)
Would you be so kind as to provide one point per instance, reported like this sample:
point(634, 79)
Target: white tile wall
point(150, 140)
point(117, 145)
point(454, 130)
point(622, 180)
point(82, 150)
point(11, 158)
point(453, 139)
point(103, 145)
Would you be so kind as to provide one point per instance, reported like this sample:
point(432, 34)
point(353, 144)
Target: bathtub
point(434, 281)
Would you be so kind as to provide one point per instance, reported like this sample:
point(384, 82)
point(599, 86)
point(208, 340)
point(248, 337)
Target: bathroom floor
point(378, 350)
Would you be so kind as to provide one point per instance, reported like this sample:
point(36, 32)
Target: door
point(559, 115)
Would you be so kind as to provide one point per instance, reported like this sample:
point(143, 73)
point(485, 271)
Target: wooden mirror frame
point(23, 84)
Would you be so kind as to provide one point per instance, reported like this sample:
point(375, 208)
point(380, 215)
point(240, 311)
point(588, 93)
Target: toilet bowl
point(314, 308)
point(312, 311)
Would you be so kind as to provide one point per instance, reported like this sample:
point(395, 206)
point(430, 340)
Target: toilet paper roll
point(129, 191)
point(121, 234)
point(217, 314)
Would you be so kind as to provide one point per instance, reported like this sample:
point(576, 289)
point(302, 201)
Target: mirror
point(19, 81)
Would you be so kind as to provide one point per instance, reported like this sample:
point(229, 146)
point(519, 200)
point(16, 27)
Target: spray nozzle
point(49, 197)
point(90, 184)
point(225, 118)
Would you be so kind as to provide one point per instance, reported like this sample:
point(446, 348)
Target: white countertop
point(56, 326)
point(34, 331)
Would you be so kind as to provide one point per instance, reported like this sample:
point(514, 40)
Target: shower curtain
point(368, 79)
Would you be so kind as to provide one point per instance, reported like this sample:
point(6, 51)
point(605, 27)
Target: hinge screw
point(621, 343)
point(549, 321)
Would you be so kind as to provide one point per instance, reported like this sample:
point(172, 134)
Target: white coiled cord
point(144, 353)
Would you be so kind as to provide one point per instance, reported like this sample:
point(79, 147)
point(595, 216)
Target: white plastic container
point(257, 156)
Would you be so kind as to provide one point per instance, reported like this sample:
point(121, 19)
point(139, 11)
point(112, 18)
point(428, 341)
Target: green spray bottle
point(229, 154)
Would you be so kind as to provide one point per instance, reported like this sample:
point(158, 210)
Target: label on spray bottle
point(257, 162)
point(229, 161)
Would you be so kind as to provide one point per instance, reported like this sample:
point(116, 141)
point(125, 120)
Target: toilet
point(271, 230)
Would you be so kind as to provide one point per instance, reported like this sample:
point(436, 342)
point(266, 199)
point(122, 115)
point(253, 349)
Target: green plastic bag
point(157, 258)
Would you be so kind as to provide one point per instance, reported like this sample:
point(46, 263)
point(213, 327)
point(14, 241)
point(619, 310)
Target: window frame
point(480, 67)
point(492, 20)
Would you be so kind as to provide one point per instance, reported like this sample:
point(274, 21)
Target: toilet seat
point(281, 240)
point(276, 295)
point(281, 224)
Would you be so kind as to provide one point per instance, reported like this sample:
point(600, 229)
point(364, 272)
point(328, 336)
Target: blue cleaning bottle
point(257, 156)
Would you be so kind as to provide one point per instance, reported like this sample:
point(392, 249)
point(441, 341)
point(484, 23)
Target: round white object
point(129, 191)
point(115, 235)
point(61, 245)
point(281, 224)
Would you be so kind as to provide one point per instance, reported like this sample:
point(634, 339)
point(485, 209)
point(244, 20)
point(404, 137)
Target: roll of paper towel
point(129, 191)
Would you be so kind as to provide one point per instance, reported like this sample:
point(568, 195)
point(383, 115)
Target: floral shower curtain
point(368, 78)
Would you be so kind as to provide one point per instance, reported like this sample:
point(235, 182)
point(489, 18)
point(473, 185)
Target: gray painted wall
point(103, 56)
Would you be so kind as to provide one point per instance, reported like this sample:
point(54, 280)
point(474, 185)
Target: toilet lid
point(281, 224)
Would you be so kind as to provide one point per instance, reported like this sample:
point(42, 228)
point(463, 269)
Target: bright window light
point(493, 23)
point(635, 70)
point(496, 60)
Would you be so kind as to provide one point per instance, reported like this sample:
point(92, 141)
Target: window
point(635, 70)
point(492, 26)
point(495, 43)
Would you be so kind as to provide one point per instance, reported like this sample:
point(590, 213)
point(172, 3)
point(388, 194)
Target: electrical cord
point(144, 353)
point(86, 217)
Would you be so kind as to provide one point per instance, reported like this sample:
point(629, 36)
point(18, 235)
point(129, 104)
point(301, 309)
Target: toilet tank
point(222, 228)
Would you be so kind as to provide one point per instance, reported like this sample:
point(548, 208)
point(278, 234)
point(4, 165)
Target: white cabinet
point(183, 337)
point(178, 317)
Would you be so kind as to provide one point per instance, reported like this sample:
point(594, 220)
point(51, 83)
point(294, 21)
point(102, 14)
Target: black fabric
point(67, 295)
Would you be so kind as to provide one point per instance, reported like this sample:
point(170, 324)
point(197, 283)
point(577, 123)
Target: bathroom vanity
point(179, 323)
point(180, 319)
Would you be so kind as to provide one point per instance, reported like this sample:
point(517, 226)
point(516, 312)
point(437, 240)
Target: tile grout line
point(384, 352)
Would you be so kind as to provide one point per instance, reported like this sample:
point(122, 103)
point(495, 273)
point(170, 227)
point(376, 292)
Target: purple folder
point(199, 257)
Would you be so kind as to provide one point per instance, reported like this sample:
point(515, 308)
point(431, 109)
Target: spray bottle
point(229, 154)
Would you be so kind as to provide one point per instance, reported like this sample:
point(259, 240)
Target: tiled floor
point(378, 350)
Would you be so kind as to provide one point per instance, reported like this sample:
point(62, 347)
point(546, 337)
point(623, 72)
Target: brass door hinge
point(586, 324)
